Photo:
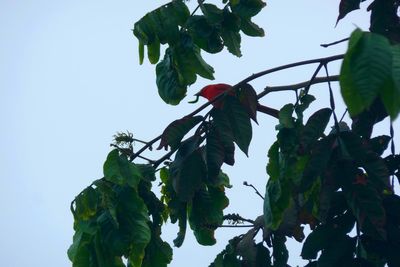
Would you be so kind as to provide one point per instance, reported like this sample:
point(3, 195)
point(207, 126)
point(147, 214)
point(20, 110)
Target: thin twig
point(255, 189)
point(297, 86)
point(334, 43)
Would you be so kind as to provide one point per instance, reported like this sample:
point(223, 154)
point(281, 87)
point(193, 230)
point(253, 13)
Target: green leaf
point(239, 122)
point(153, 52)
point(141, 52)
point(366, 205)
point(361, 152)
point(250, 28)
point(175, 131)
point(224, 130)
point(188, 171)
point(390, 93)
point(285, 116)
point(346, 6)
point(176, 208)
point(80, 250)
point(327, 235)
point(170, 88)
point(215, 153)
point(280, 253)
point(247, 8)
point(117, 169)
point(320, 156)
point(248, 98)
point(204, 34)
point(86, 204)
point(315, 127)
point(158, 253)
point(162, 23)
point(230, 33)
point(365, 71)
point(206, 213)
point(339, 253)
point(212, 13)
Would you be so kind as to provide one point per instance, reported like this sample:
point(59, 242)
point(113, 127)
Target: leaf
point(153, 52)
point(327, 235)
point(315, 127)
point(204, 34)
point(280, 253)
point(175, 131)
point(248, 98)
point(365, 71)
point(206, 213)
point(176, 208)
point(320, 156)
point(285, 116)
point(230, 33)
point(215, 153)
point(224, 130)
point(188, 170)
point(366, 158)
point(141, 52)
point(158, 253)
point(162, 23)
point(247, 8)
point(86, 204)
point(250, 28)
point(170, 88)
point(339, 253)
point(117, 169)
point(390, 93)
point(212, 13)
point(346, 6)
point(239, 121)
point(366, 205)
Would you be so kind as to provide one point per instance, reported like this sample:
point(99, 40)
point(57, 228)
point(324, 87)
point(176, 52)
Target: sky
point(70, 79)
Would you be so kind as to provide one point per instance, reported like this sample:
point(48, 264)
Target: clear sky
point(70, 79)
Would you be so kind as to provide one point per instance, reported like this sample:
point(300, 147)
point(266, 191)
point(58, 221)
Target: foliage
point(338, 182)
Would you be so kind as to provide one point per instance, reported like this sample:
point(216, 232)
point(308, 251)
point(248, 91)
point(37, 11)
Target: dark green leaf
point(239, 121)
point(176, 130)
point(280, 253)
point(206, 213)
point(247, 8)
point(215, 154)
point(325, 236)
point(86, 204)
point(250, 28)
point(285, 116)
point(204, 34)
point(170, 87)
point(224, 130)
point(366, 70)
point(390, 93)
point(212, 13)
point(366, 205)
point(158, 253)
point(346, 6)
point(248, 98)
point(188, 170)
point(153, 52)
point(339, 253)
point(117, 169)
point(320, 156)
point(315, 127)
point(230, 33)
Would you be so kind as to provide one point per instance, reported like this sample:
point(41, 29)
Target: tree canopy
point(339, 182)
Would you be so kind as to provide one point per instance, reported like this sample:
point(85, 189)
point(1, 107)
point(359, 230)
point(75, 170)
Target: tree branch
point(297, 86)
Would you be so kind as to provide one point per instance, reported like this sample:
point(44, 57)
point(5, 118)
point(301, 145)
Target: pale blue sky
point(70, 78)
